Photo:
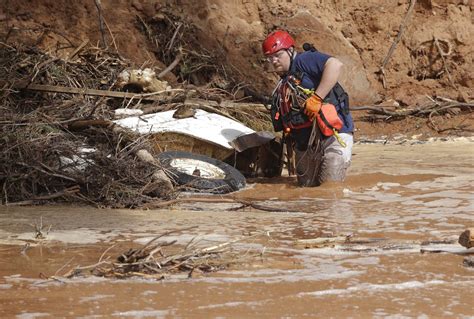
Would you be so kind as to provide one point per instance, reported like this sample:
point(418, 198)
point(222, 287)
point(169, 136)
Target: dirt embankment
point(220, 46)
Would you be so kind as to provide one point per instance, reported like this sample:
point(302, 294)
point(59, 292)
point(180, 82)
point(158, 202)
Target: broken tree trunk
point(467, 238)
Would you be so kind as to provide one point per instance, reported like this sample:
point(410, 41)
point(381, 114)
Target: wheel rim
point(197, 168)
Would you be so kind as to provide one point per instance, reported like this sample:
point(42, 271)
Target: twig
point(170, 46)
point(49, 173)
point(154, 239)
point(111, 35)
point(161, 204)
point(430, 110)
point(78, 49)
point(66, 192)
point(6, 45)
point(71, 272)
point(40, 66)
point(445, 66)
point(171, 66)
point(101, 22)
point(394, 44)
point(105, 252)
point(57, 271)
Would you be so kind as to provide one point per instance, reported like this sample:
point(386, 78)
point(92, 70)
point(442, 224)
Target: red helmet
point(276, 41)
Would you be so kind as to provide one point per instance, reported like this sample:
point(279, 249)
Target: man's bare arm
point(332, 70)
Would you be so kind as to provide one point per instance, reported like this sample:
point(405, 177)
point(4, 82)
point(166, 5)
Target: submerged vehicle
point(207, 151)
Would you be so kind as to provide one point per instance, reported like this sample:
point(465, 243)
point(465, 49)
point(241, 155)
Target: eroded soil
point(404, 198)
point(221, 42)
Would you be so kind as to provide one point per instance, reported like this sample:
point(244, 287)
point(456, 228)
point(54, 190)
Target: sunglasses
point(276, 56)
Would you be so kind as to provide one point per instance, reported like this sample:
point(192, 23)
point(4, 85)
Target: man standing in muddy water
point(309, 86)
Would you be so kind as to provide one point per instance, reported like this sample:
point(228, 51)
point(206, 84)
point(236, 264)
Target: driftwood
point(244, 203)
point(153, 96)
point(243, 111)
point(440, 250)
point(360, 245)
point(438, 106)
point(347, 240)
point(467, 238)
point(418, 111)
point(66, 137)
point(159, 259)
point(64, 193)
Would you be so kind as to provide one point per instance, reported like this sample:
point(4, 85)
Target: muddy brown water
point(402, 195)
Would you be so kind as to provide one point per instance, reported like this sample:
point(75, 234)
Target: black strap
point(321, 114)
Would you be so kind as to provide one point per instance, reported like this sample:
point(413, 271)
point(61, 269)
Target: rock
point(468, 261)
point(140, 81)
point(184, 111)
point(146, 157)
point(467, 238)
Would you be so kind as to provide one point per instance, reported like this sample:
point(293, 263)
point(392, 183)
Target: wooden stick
point(170, 67)
point(111, 35)
point(445, 66)
point(153, 96)
point(416, 111)
point(101, 22)
point(170, 46)
point(394, 44)
point(65, 192)
point(161, 204)
point(78, 49)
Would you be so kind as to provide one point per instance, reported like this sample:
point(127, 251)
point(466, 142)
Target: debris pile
point(161, 259)
point(58, 138)
point(58, 145)
point(433, 110)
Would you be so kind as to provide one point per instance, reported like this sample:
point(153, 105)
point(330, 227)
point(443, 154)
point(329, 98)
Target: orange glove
point(312, 106)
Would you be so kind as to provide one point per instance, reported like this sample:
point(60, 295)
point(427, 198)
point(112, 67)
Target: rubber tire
point(233, 180)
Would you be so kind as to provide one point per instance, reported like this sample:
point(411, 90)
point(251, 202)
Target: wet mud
point(402, 201)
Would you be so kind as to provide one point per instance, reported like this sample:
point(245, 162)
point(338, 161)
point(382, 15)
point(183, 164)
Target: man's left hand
point(312, 106)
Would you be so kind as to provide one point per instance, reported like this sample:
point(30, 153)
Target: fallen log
point(153, 96)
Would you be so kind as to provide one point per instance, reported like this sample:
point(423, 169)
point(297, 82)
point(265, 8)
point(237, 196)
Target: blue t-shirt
point(309, 66)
